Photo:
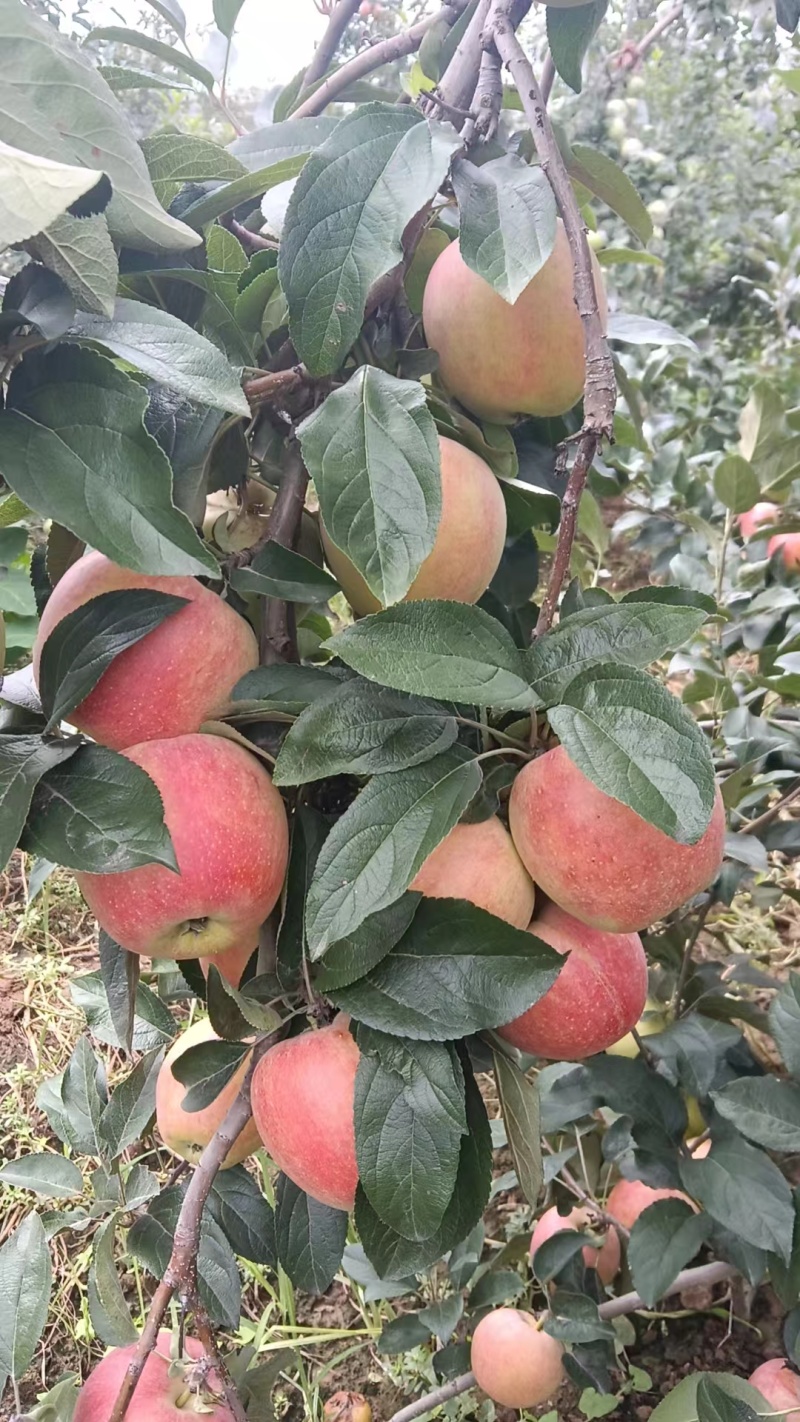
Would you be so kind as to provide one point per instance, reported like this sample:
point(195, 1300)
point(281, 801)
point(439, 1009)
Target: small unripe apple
point(599, 992)
point(779, 1385)
point(605, 1260)
point(229, 831)
point(629, 1198)
point(598, 859)
point(514, 1361)
point(652, 1021)
point(478, 862)
point(164, 1393)
point(171, 681)
point(302, 1096)
point(187, 1133)
point(469, 542)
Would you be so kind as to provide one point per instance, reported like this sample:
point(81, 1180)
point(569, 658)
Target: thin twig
point(265, 389)
point(612, 1308)
point(278, 622)
point(753, 826)
point(631, 55)
point(457, 85)
point(340, 17)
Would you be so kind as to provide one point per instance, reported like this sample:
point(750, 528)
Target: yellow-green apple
point(229, 832)
point(178, 676)
point(514, 1361)
point(187, 1133)
point(163, 1393)
point(302, 1096)
point(502, 360)
point(469, 541)
point(629, 1198)
point(605, 1259)
point(478, 862)
point(598, 859)
point(598, 995)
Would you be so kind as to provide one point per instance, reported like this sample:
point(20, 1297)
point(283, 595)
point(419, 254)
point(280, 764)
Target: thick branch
point(600, 389)
point(180, 1275)
point(612, 1308)
point(457, 85)
point(278, 623)
point(385, 52)
point(340, 17)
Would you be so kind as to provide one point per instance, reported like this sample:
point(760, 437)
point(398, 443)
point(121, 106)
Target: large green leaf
point(603, 177)
point(373, 453)
point(636, 742)
point(663, 1240)
point(225, 198)
point(285, 690)
point(519, 1101)
point(444, 649)
point(764, 1109)
point(736, 484)
point(247, 1221)
point(379, 167)
point(174, 158)
point(352, 957)
point(84, 1097)
point(507, 221)
point(108, 1308)
point(81, 252)
point(167, 350)
point(35, 191)
point(375, 849)
point(784, 1022)
point(362, 729)
point(409, 1116)
point(634, 634)
point(680, 1405)
point(294, 138)
point(26, 1281)
point(131, 1105)
point(53, 1176)
point(153, 1024)
point(310, 1237)
point(741, 1188)
point(456, 970)
point(73, 445)
point(54, 103)
point(280, 572)
point(167, 53)
point(23, 761)
point(570, 31)
point(150, 1241)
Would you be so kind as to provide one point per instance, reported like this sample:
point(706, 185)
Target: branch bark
point(600, 387)
point(340, 17)
point(278, 623)
point(612, 1308)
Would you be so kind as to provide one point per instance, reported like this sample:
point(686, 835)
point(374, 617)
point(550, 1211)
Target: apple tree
point(343, 740)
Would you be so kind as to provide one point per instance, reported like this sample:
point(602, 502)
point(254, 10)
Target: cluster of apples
point(757, 520)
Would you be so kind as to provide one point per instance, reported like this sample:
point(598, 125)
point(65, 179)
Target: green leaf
point(23, 761)
point(456, 970)
point(285, 690)
point(37, 297)
point(784, 1022)
point(205, 1069)
point(100, 813)
point(444, 649)
point(53, 1176)
point(764, 1109)
point(636, 742)
point(529, 507)
point(172, 12)
point(119, 78)
point(238, 1013)
point(714, 1404)
point(294, 138)
point(54, 103)
point(310, 1237)
point(643, 331)
point(680, 1405)
point(153, 1024)
point(226, 13)
point(362, 729)
point(632, 1088)
point(570, 31)
point(403, 1333)
point(736, 484)
point(73, 446)
point(167, 350)
point(663, 1240)
point(603, 177)
point(634, 634)
point(741, 1188)
point(574, 1318)
point(379, 167)
point(279, 572)
point(108, 1308)
point(81, 252)
point(187, 158)
point(309, 830)
point(409, 1119)
point(132, 1105)
point(247, 1221)
point(353, 957)
point(674, 597)
point(167, 53)
point(150, 1241)
point(226, 198)
point(373, 453)
point(83, 1097)
point(507, 221)
point(35, 191)
point(85, 642)
point(119, 971)
point(26, 1281)
point(375, 849)
point(519, 1102)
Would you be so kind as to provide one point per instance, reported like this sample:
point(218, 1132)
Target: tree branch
point(456, 87)
point(612, 1308)
point(278, 623)
point(181, 1273)
point(600, 387)
point(340, 17)
point(631, 55)
point(753, 826)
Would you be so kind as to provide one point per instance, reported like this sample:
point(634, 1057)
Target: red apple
point(187, 1133)
point(598, 859)
point(596, 998)
point(231, 841)
point(630, 1197)
point(779, 1385)
point(789, 543)
point(175, 678)
point(514, 1361)
point(302, 1096)
point(478, 862)
point(605, 1260)
point(754, 519)
point(159, 1396)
